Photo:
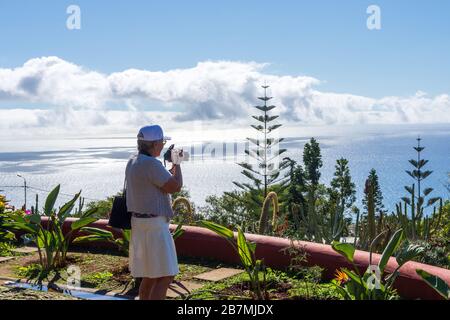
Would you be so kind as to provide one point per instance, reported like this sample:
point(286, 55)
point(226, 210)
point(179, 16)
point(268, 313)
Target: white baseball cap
point(151, 133)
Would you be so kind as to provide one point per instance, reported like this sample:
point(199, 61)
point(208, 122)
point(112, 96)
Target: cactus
point(182, 200)
point(336, 226)
point(370, 211)
point(357, 232)
point(36, 208)
point(419, 227)
point(79, 211)
point(271, 198)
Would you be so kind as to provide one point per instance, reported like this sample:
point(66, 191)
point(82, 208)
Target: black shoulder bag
point(120, 217)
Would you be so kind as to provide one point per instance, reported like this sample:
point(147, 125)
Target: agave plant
point(370, 286)
point(51, 242)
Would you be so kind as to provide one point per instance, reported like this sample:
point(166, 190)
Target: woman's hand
point(173, 169)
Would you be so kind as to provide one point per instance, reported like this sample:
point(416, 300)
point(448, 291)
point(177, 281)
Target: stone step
point(218, 274)
point(4, 259)
point(25, 250)
point(178, 290)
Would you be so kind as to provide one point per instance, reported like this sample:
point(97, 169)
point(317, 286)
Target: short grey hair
point(145, 146)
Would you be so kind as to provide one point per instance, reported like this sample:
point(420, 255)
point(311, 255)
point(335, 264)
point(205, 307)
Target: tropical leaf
point(89, 212)
point(217, 228)
point(408, 253)
point(50, 201)
point(126, 235)
point(427, 191)
point(252, 247)
point(35, 219)
point(243, 249)
point(90, 238)
point(82, 222)
point(27, 227)
point(354, 277)
point(390, 248)
point(178, 232)
point(98, 232)
point(345, 249)
point(67, 207)
point(439, 285)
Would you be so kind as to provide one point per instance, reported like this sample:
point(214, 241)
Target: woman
point(152, 250)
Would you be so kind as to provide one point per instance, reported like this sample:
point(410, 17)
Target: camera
point(175, 156)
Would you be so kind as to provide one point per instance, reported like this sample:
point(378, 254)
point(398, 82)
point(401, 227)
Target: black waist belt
point(144, 215)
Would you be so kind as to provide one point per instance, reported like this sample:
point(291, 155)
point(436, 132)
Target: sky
point(137, 62)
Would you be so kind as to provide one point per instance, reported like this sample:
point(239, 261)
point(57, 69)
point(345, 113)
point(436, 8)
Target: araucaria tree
point(266, 152)
point(418, 226)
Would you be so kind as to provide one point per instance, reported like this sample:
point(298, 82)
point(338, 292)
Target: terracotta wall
point(200, 242)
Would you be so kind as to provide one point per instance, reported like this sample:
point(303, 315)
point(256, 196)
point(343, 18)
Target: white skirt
point(152, 249)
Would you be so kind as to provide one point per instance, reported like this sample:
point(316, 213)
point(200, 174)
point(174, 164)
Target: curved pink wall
point(200, 242)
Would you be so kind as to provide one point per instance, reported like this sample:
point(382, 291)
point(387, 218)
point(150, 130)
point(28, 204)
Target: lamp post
point(24, 189)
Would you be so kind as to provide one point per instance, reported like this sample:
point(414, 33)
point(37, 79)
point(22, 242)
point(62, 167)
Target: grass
point(6, 249)
point(279, 285)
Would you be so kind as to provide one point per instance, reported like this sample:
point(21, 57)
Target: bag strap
point(125, 179)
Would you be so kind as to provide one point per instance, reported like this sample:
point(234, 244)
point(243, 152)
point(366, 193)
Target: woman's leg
point(146, 288)
point(159, 291)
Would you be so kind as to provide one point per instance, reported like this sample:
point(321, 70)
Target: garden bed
point(106, 271)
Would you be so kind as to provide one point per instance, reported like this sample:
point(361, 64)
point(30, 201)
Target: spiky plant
point(187, 213)
point(271, 199)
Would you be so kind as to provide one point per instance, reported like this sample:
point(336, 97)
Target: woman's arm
point(175, 183)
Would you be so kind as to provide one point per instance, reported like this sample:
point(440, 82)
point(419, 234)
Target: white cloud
point(213, 91)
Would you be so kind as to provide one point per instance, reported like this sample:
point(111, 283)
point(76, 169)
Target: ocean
point(96, 165)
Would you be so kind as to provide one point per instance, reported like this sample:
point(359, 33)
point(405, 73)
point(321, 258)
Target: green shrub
point(97, 278)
